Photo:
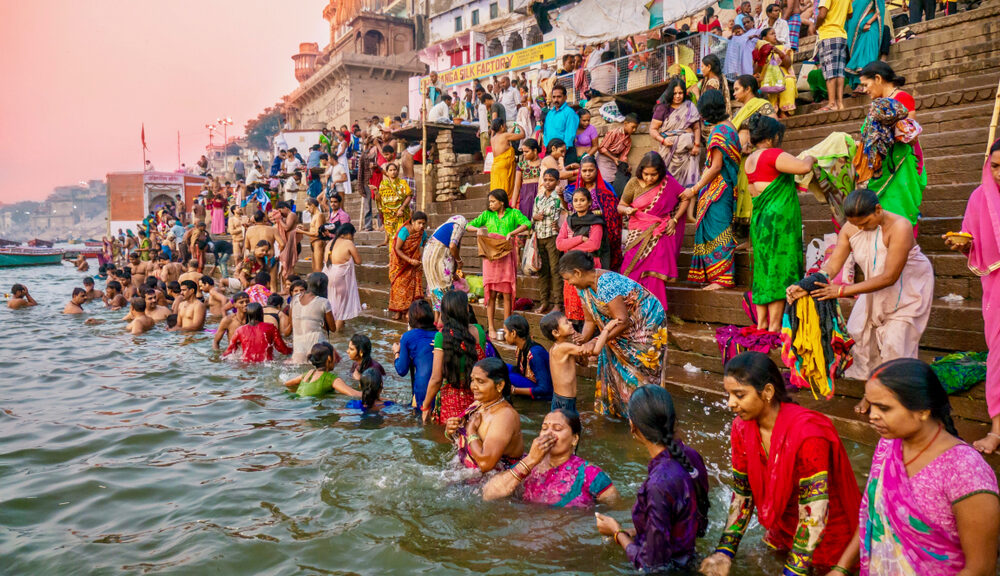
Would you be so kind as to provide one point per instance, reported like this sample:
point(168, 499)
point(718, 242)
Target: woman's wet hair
point(363, 345)
point(917, 388)
point(317, 284)
point(880, 68)
point(371, 387)
point(861, 203)
point(757, 370)
point(651, 411)
point(497, 371)
point(712, 106)
point(319, 354)
point(345, 229)
point(765, 128)
point(573, 419)
point(575, 260)
point(255, 313)
point(531, 144)
point(549, 324)
point(554, 144)
point(520, 327)
point(275, 300)
point(420, 315)
point(500, 195)
point(458, 345)
point(496, 125)
point(750, 83)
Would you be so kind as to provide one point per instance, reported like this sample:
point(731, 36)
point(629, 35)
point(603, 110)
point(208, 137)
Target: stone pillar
point(447, 177)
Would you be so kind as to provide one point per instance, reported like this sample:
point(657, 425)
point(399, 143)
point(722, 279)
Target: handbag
point(531, 261)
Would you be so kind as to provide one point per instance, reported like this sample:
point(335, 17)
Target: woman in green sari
point(886, 163)
point(864, 36)
point(746, 91)
point(776, 225)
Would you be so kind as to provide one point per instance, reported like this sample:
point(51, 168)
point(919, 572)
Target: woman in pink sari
point(218, 215)
point(982, 222)
point(655, 226)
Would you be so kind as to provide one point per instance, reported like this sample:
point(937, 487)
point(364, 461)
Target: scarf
point(580, 225)
point(982, 220)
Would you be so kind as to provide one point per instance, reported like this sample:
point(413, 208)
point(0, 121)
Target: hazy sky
point(81, 76)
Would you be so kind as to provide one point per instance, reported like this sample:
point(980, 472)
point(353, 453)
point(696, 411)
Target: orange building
point(133, 195)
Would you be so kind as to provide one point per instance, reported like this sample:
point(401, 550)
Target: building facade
point(362, 72)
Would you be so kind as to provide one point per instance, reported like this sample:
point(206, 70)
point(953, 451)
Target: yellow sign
point(497, 65)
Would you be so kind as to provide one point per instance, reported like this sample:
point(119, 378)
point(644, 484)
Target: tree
point(265, 126)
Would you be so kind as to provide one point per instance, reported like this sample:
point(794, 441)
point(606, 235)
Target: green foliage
point(261, 129)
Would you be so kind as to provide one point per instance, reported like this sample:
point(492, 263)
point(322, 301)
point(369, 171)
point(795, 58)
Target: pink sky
point(80, 78)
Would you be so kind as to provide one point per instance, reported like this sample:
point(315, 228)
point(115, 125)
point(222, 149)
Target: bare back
point(562, 366)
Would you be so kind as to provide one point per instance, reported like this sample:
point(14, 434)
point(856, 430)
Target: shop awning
point(592, 21)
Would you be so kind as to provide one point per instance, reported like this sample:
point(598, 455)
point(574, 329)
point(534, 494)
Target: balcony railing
point(649, 67)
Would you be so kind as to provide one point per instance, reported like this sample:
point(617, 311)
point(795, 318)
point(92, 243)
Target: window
point(458, 23)
point(475, 17)
point(494, 10)
point(510, 5)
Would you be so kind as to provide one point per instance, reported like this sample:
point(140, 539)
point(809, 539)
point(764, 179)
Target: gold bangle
point(472, 437)
point(615, 536)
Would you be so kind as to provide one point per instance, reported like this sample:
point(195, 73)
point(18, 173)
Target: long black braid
point(519, 326)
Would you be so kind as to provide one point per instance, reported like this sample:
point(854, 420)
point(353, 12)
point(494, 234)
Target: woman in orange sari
point(405, 273)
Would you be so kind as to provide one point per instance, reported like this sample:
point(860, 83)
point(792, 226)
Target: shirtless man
point(216, 297)
point(75, 305)
point(113, 298)
point(169, 271)
point(140, 269)
point(20, 298)
point(81, 263)
point(229, 324)
point(259, 232)
point(192, 273)
point(174, 295)
point(140, 321)
point(129, 289)
point(565, 354)
point(190, 311)
point(198, 245)
point(154, 310)
point(92, 293)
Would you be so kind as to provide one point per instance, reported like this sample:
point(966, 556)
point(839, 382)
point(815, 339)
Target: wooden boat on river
point(12, 256)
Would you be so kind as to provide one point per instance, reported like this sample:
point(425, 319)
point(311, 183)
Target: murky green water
point(122, 454)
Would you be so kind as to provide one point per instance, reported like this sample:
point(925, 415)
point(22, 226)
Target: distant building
point(362, 72)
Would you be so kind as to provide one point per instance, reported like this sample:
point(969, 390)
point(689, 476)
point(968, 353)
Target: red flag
point(144, 147)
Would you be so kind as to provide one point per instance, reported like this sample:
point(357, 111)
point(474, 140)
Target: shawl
point(772, 477)
point(748, 110)
point(604, 199)
point(878, 134)
point(762, 53)
point(580, 225)
point(982, 220)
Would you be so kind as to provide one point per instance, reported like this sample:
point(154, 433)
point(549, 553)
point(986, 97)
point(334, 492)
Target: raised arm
point(788, 164)
point(486, 452)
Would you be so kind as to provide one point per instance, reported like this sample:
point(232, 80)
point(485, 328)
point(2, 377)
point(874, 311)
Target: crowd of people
point(603, 244)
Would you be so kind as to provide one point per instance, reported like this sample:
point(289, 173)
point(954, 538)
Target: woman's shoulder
point(961, 471)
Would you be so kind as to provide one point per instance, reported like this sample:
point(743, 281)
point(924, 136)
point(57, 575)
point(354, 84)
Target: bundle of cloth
point(815, 344)
point(832, 177)
point(733, 340)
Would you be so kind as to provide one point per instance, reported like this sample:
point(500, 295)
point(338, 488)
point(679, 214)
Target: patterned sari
point(678, 127)
point(574, 483)
point(650, 255)
point(714, 242)
point(639, 355)
point(405, 278)
point(864, 45)
point(776, 235)
point(393, 194)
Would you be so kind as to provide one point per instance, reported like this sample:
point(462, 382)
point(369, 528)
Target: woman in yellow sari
point(395, 196)
point(773, 63)
point(745, 92)
point(503, 170)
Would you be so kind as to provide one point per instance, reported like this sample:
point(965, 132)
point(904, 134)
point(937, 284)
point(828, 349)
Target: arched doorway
point(514, 42)
point(159, 201)
point(494, 48)
point(534, 36)
point(372, 42)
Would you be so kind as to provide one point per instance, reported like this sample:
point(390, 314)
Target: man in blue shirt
point(561, 122)
point(314, 154)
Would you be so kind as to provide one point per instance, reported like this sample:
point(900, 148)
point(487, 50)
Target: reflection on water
point(150, 454)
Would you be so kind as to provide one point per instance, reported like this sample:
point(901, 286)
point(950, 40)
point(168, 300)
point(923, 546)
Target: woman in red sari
point(457, 347)
point(655, 227)
point(405, 257)
point(789, 462)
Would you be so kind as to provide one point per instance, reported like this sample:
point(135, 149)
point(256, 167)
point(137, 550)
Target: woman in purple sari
point(676, 125)
point(655, 227)
point(552, 473)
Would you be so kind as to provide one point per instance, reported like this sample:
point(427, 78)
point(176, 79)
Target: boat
point(39, 243)
point(28, 256)
point(8, 243)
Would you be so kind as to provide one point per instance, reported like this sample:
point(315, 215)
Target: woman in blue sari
point(714, 244)
point(864, 36)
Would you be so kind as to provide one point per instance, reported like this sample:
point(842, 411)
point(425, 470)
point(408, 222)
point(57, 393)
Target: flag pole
point(178, 149)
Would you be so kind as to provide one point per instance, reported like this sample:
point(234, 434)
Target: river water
point(150, 454)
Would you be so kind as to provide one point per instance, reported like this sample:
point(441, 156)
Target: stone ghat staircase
point(952, 70)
